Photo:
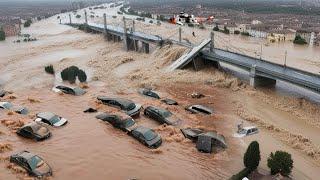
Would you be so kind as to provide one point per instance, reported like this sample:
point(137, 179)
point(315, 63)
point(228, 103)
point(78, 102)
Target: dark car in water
point(69, 90)
point(34, 131)
point(128, 106)
point(126, 124)
point(161, 115)
point(149, 93)
point(147, 136)
point(33, 164)
point(10, 106)
point(196, 108)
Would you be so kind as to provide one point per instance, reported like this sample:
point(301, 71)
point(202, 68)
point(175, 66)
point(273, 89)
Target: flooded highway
point(87, 148)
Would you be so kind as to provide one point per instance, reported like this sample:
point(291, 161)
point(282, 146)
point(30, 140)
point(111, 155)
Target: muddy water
point(89, 149)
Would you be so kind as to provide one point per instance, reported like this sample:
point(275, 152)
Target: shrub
point(78, 16)
point(71, 73)
point(150, 21)
point(2, 35)
point(236, 32)
point(202, 26)
point(49, 69)
point(243, 173)
point(216, 28)
point(27, 23)
point(226, 30)
point(245, 34)
point(299, 40)
point(252, 157)
point(280, 162)
point(82, 76)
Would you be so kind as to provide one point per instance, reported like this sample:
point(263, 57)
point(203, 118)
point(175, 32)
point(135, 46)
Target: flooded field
point(87, 148)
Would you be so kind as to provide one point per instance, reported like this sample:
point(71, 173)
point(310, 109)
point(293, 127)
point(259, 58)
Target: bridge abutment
point(256, 81)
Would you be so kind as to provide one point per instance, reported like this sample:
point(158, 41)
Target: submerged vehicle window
point(35, 162)
point(131, 106)
point(149, 135)
point(165, 113)
point(7, 105)
point(129, 122)
point(55, 119)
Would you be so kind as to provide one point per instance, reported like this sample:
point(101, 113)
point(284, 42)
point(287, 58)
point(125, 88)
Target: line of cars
point(145, 135)
point(38, 130)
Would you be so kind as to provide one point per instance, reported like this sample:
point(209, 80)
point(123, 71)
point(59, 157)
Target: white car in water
point(246, 131)
point(50, 119)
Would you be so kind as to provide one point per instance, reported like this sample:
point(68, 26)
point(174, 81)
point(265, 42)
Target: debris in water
point(196, 95)
point(90, 110)
point(5, 147)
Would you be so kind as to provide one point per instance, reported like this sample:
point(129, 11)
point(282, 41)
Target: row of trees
point(278, 162)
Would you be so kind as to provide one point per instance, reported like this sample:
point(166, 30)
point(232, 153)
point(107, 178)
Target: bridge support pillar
point(146, 47)
point(198, 63)
point(136, 45)
point(256, 81)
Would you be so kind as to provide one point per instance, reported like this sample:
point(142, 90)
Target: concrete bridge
point(133, 40)
point(262, 72)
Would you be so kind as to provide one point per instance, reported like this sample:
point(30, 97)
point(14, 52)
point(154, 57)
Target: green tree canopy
point(252, 157)
point(280, 162)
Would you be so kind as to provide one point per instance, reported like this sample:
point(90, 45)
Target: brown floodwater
point(87, 148)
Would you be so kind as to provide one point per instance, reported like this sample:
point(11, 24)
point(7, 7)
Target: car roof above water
point(45, 115)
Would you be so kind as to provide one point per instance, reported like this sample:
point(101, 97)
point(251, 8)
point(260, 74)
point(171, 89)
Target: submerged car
point(69, 90)
point(169, 101)
point(210, 141)
point(147, 136)
point(126, 124)
point(161, 115)
point(149, 93)
point(9, 106)
point(191, 133)
point(51, 119)
point(199, 109)
point(33, 164)
point(128, 106)
point(3, 93)
point(34, 131)
point(246, 131)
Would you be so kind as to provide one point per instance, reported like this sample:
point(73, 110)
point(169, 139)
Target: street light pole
point(285, 59)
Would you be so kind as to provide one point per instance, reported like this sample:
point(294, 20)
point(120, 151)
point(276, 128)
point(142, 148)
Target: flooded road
point(87, 148)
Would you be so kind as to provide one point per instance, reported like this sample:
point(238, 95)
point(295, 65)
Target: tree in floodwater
point(280, 162)
point(252, 157)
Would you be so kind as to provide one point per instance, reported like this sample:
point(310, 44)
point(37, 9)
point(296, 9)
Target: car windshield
point(35, 162)
point(242, 131)
point(165, 113)
point(55, 119)
point(149, 135)
point(129, 122)
point(7, 105)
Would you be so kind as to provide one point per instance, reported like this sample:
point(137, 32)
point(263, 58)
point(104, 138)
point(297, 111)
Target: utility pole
point(105, 22)
point(85, 17)
point(70, 19)
point(261, 51)
point(285, 59)
point(180, 34)
point(133, 26)
point(212, 42)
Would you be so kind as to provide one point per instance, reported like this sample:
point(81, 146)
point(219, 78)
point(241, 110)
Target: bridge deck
point(120, 32)
point(266, 69)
